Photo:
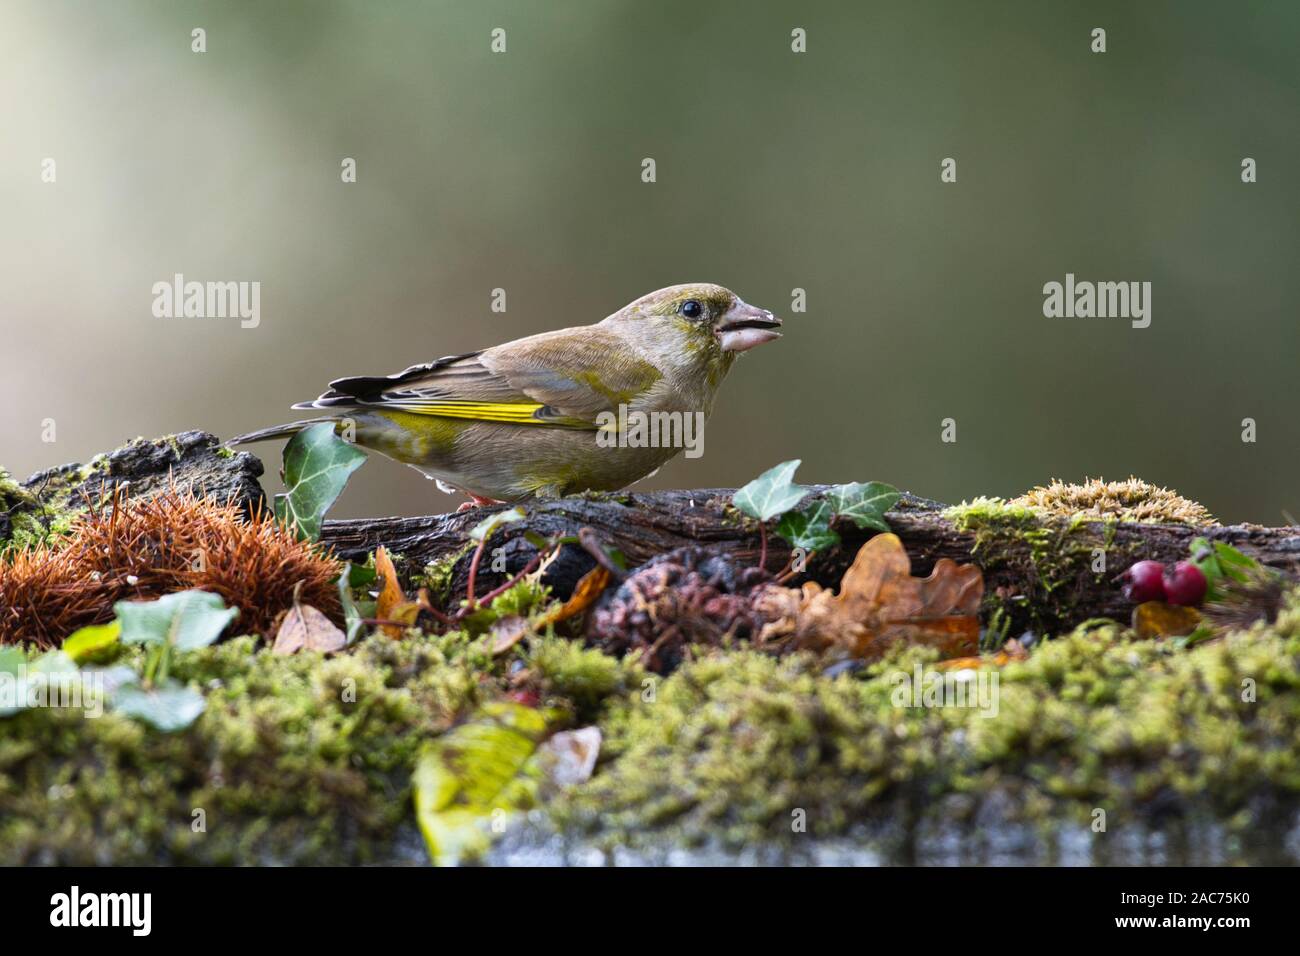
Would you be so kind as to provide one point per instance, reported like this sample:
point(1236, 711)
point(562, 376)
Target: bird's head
point(705, 319)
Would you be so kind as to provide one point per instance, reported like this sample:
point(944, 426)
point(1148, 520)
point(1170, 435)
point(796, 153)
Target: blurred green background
point(775, 171)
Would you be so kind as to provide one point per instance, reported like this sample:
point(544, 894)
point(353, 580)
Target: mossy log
point(1049, 572)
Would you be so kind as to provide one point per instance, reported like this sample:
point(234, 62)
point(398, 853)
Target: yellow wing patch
point(518, 413)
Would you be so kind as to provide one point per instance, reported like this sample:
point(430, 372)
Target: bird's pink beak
point(744, 326)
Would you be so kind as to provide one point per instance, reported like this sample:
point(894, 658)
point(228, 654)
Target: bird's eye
point(692, 309)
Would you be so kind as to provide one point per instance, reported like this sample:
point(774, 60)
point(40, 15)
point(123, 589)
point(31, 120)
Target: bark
point(1054, 584)
point(192, 459)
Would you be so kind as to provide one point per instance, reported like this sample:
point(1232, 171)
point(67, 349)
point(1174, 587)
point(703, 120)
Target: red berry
point(1145, 581)
point(1185, 584)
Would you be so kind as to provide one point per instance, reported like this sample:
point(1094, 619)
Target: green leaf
point(1217, 561)
point(809, 528)
point(14, 662)
point(86, 641)
point(186, 620)
point(489, 524)
point(771, 493)
point(352, 623)
point(463, 778)
point(360, 575)
point(168, 708)
point(864, 503)
point(317, 465)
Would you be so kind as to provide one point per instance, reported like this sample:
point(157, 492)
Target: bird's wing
point(562, 378)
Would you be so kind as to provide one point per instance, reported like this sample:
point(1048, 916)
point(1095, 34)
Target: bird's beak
point(744, 326)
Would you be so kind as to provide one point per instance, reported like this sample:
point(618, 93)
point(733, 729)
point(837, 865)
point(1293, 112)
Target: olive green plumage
point(541, 415)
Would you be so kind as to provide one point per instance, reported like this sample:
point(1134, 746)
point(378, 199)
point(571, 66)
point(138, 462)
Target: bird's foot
point(477, 502)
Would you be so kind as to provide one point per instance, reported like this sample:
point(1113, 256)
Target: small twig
point(762, 546)
point(789, 572)
point(473, 572)
point(528, 569)
point(592, 544)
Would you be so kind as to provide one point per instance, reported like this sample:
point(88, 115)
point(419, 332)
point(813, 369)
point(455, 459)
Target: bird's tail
point(277, 431)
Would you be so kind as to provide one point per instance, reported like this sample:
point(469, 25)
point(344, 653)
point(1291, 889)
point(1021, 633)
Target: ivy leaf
point(317, 465)
point(168, 708)
point(187, 620)
point(469, 773)
point(771, 493)
point(489, 524)
point(810, 527)
point(864, 503)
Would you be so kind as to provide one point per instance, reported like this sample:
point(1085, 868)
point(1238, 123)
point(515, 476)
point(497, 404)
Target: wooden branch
point(1043, 573)
point(1047, 579)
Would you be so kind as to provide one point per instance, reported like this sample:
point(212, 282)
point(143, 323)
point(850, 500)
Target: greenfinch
point(596, 407)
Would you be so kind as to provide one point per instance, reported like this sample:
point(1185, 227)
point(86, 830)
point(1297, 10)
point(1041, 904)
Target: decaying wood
point(644, 525)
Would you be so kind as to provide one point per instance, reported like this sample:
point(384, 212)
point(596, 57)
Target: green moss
point(1054, 554)
point(585, 676)
point(732, 747)
point(26, 520)
point(308, 759)
point(437, 576)
point(295, 759)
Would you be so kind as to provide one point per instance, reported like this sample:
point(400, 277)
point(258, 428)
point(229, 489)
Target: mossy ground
point(304, 759)
point(25, 519)
point(735, 749)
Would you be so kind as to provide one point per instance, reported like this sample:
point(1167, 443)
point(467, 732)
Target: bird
point(556, 413)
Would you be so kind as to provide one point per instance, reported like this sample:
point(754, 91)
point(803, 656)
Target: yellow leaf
point(586, 593)
point(1157, 619)
point(391, 595)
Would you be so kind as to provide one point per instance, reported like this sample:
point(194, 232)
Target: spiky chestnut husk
point(687, 596)
point(137, 550)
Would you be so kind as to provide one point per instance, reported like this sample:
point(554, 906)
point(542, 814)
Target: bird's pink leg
point(477, 502)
